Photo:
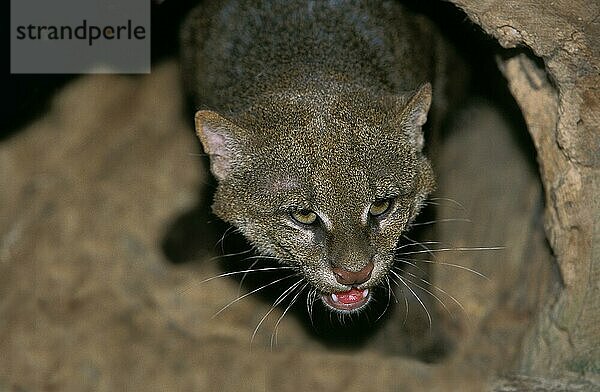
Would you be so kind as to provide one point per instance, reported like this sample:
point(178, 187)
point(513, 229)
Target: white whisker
point(278, 268)
point(274, 333)
point(411, 264)
point(456, 203)
point(458, 249)
point(230, 255)
point(405, 300)
point(415, 294)
point(420, 244)
point(437, 288)
point(279, 299)
point(262, 257)
point(416, 243)
point(430, 293)
point(389, 298)
point(220, 241)
point(311, 298)
point(442, 220)
point(251, 292)
point(244, 276)
point(269, 258)
point(448, 264)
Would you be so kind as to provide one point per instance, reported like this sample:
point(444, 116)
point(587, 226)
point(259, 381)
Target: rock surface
point(89, 302)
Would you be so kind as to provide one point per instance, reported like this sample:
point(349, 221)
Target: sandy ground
point(88, 300)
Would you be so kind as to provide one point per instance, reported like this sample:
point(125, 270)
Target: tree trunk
point(552, 67)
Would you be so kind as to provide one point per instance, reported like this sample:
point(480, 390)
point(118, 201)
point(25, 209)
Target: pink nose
point(350, 278)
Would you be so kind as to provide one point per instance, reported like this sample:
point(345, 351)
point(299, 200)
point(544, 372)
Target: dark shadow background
point(26, 96)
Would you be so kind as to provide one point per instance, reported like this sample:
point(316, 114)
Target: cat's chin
point(347, 301)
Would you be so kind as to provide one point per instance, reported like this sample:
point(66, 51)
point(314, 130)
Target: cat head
point(325, 183)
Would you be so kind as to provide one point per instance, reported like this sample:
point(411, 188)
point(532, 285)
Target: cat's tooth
point(334, 297)
point(365, 293)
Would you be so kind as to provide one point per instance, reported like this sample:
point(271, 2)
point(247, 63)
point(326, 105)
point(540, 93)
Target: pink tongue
point(350, 296)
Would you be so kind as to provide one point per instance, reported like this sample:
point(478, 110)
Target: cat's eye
point(380, 207)
point(304, 216)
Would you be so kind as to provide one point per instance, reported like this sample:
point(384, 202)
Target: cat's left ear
point(414, 115)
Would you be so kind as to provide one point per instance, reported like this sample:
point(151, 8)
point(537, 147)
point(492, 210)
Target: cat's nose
point(351, 278)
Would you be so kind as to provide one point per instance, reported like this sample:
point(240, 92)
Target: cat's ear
point(414, 114)
point(220, 139)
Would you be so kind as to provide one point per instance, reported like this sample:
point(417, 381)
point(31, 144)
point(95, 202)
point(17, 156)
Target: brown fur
point(316, 105)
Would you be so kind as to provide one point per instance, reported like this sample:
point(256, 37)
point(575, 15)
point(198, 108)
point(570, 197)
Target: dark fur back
point(303, 45)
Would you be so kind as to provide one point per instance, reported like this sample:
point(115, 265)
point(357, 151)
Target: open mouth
point(350, 300)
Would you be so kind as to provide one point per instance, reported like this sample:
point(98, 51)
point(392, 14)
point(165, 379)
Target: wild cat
point(312, 113)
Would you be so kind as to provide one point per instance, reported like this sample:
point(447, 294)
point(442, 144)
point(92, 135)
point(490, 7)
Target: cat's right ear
point(415, 114)
point(218, 137)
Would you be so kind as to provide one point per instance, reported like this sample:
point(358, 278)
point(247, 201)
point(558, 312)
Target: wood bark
point(552, 66)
